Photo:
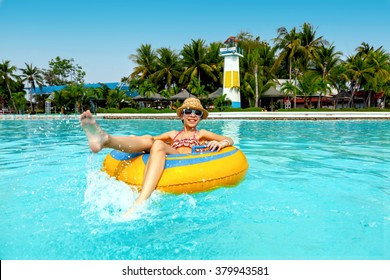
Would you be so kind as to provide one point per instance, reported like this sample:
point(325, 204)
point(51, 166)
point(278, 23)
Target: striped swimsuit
point(185, 142)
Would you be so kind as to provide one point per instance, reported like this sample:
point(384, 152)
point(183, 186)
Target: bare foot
point(97, 138)
point(136, 206)
point(129, 212)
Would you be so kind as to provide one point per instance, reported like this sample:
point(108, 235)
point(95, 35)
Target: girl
point(172, 142)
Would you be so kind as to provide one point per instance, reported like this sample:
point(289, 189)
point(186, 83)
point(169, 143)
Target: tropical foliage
point(63, 72)
point(33, 76)
point(8, 78)
point(311, 66)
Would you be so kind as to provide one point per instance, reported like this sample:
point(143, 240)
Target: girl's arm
point(215, 141)
point(166, 137)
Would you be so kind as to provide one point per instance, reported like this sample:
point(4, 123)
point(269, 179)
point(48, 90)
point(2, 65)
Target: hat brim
point(180, 110)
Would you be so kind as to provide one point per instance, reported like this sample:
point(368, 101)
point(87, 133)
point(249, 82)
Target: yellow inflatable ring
point(183, 173)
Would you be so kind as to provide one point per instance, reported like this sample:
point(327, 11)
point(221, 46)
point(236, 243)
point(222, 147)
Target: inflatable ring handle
point(201, 147)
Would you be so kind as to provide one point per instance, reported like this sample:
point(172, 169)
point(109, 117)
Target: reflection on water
point(314, 190)
point(232, 130)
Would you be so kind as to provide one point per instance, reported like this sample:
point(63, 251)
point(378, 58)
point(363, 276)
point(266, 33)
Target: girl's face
point(191, 120)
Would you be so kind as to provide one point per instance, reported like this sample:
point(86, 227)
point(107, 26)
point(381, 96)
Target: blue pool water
point(314, 190)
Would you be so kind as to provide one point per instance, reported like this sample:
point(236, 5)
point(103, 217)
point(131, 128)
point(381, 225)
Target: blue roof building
point(113, 85)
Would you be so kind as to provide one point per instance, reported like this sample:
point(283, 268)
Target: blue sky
point(100, 35)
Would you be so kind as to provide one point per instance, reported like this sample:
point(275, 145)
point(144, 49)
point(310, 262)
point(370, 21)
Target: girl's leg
point(99, 139)
point(153, 170)
point(129, 144)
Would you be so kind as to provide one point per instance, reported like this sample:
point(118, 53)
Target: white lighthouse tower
point(231, 71)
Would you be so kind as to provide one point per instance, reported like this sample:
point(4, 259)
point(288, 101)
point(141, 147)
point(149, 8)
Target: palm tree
point(385, 87)
point(324, 87)
point(290, 44)
point(379, 60)
point(75, 93)
point(325, 58)
point(61, 100)
point(34, 77)
point(145, 59)
point(254, 84)
point(288, 88)
point(195, 62)
point(256, 70)
point(259, 61)
point(135, 83)
point(196, 88)
point(102, 94)
point(310, 43)
point(90, 99)
point(359, 72)
point(260, 66)
point(116, 97)
point(307, 85)
point(251, 66)
point(298, 47)
point(216, 62)
point(146, 88)
point(364, 49)
point(338, 79)
point(167, 68)
point(267, 67)
point(20, 100)
point(7, 74)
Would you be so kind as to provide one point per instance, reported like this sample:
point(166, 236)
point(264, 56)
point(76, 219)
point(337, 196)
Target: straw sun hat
point(192, 103)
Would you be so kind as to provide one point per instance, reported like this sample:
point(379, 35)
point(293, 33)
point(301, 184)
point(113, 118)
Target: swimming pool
point(314, 190)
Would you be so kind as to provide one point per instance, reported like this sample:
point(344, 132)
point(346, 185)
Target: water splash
point(108, 199)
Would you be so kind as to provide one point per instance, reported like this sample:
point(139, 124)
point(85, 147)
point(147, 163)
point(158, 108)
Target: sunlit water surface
point(314, 190)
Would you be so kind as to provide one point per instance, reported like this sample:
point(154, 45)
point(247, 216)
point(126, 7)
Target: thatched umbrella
point(152, 96)
point(216, 93)
point(182, 95)
point(148, 101)
point(272, 92)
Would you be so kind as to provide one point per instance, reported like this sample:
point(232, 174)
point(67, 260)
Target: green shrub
point(148, 110)
point(230, 109)
point(128, 110)
point(253, 109)
point(113, 110)
point(167, 110)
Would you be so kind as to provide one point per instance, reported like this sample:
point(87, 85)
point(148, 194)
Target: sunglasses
point(192, 111)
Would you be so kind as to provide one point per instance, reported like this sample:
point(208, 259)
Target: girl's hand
point(215, 145)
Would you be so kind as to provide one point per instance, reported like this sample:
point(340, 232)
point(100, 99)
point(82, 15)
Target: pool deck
point(221, 115)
